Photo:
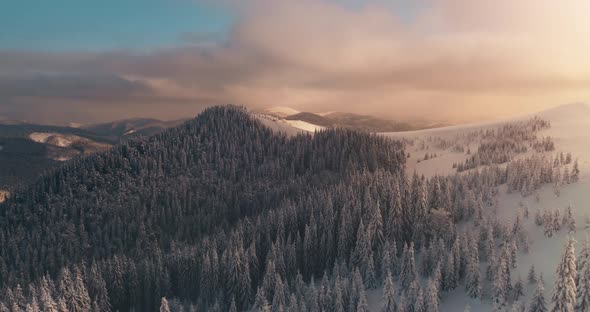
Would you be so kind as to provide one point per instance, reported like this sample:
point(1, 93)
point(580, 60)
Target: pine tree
point(386, 261)
point(518, 289)
point(583, 278)
point(279, 299)
point(47, 302)
point(363, 304)
point(62, 306)
point(261, 303)
point(164, 307)
point(33, 306)
point(408, 269)
point(432, 296)
point(491, 267)
point(390, 304)
point(501, 281)
point(517, 306)
point(370, 275)
point(403, 304)
point(513, 254)
point(473, 285)
point(532, 276)
point(79, 298)
point(575, 175)
point(564, 293)
point(232, 306)
point(538, 303)
point(294, 305)
point(338, 296)
point(449, 274)
point(420, 304)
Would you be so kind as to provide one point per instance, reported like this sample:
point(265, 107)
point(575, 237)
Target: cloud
point(452, 58)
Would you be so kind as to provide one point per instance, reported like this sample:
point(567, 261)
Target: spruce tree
point(532, 276)
point(500, 290)
point(408, 269)
point(564, 292)
point(363, 304)
point(389, 302)
point(473, 285)
point(538, 303)
point(164, 307)
point(432, 296)
point(583, 278)
point(518, 289)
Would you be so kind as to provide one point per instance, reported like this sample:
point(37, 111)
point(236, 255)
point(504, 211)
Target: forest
point(223, 214)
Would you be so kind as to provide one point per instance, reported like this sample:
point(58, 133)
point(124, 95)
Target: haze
point(453, 60)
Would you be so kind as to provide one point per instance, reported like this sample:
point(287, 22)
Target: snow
point(570, 129)
point(303, 125)
point(281, 111)
point(288, 127)
point(3, 195)
point(129, 132)
point(54, 139)
point(40, 137)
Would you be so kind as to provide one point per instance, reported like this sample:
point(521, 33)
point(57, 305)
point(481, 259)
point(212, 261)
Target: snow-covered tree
point(518, 289)
point(473, 281)
point(389, 302)
point(564, 292)
point(538, 303)
point(363, 304)
point(500, 287)
point(583, 278)
point(164, 306)
point(517, 306)
point(408, 269)
point(532, 276)
point(432, 296)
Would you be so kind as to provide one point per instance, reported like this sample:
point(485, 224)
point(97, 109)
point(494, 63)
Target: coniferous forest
point(223, 214)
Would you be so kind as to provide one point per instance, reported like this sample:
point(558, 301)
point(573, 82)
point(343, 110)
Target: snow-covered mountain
point(434, 152)
point(281, 117)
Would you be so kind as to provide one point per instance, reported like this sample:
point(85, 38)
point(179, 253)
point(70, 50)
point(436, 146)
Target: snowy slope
point(288, 127)
point(570, 129)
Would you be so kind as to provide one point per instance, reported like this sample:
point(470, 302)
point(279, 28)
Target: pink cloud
point(456, 58)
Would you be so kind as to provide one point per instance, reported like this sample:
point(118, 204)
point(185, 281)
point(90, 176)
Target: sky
point(68, 61)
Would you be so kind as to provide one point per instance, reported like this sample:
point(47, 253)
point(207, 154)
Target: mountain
point(311, 122)
point(124, 129)
point(153, 203)
point(223, 213)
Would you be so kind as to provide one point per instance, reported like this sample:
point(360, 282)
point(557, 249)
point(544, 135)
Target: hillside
point(172, 194)
point(225, 214)
point(568, 130)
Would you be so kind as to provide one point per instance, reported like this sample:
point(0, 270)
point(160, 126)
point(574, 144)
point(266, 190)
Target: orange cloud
point(456, 59)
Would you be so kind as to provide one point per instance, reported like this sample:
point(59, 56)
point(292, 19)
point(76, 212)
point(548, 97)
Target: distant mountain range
point(122, 130)
point(309, 121)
